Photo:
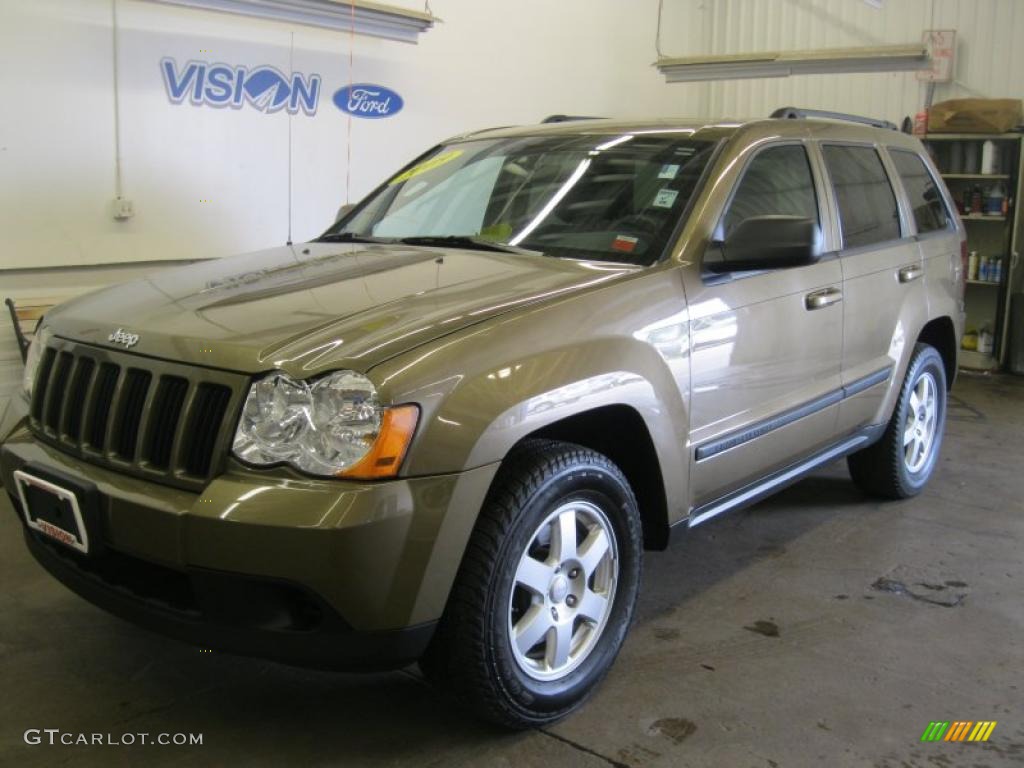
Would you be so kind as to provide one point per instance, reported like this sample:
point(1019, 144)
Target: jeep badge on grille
point(121, 336)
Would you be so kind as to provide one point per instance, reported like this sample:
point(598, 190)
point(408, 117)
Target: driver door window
point(777, 181)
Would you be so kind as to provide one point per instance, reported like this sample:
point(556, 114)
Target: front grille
point(163, 421)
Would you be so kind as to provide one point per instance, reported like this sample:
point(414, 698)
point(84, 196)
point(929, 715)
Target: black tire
point(881, 469)
point(471, 655)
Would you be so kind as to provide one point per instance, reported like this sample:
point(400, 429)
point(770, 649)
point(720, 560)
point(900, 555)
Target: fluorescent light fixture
point(373, 19)
point(737, 66)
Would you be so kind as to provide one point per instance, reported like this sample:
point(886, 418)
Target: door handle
point(908, 274)
point(826, 297)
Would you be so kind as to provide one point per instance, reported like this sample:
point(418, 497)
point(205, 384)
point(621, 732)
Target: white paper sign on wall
point(942, 52)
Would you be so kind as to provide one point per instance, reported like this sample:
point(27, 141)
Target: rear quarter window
point(867, 205)
point(930, 213)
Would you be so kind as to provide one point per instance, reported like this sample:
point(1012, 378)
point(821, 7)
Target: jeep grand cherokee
point(447, 429)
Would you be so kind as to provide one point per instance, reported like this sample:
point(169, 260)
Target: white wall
point(488, 63)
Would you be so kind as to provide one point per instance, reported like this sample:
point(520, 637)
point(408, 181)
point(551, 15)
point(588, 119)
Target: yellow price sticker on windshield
point(427, 165)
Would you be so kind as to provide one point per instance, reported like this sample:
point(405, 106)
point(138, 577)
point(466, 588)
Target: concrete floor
point(853, 676)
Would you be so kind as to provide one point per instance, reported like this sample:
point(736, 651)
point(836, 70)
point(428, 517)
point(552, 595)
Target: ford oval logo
point(368, 100)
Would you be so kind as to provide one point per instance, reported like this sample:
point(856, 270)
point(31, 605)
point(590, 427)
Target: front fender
point(483, 390)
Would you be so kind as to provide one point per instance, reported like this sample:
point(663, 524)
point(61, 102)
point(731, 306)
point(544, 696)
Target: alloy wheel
point(920, 424)
point(563, 590)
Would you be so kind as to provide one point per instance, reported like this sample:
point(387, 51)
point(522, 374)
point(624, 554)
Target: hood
point(318, 306)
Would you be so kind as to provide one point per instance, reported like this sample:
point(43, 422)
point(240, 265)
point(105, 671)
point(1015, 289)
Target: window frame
point(940, 185)
point(908, 231)
point(824, 213)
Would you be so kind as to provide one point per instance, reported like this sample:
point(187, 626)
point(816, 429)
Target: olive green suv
point(446, 429)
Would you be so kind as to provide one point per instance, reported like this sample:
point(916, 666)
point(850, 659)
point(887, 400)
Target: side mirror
point(343, 212)
point(765, 242)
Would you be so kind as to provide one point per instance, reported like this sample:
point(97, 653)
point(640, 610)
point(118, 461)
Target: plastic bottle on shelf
point(989, 157)
point(983, 269)
point(971, 157)
point(976, 199)
point(995, 200)
point(995, 273)
point(985, 340)
point(956, 157)
point(972, 265)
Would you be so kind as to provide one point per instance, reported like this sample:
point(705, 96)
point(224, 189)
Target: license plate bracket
point(59, 507)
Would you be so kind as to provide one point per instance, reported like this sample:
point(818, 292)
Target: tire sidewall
point(927, 360)
point(595, 484)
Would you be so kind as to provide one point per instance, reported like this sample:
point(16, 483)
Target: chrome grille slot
point(167, 405)
point(41, 382)
point(56, 390)
point(207, 413)
point(102, 400)
point(163, 421)
point(136, 385)
point(80, 381)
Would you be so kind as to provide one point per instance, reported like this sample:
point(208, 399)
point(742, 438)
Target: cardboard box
point(975, 116)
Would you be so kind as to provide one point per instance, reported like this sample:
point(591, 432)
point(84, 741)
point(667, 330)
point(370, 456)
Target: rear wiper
point(465, 241)
point(352, 237)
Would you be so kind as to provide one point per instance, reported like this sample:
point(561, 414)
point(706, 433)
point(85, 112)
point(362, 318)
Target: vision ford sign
point(221, 85)
point(368, 100)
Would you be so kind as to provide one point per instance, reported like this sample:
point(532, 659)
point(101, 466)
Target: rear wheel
point(545, 593)
point(901, 462)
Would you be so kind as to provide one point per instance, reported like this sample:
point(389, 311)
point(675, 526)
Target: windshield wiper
point(465, 241)
point(352, 237)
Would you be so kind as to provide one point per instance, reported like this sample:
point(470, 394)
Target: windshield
point(605, 198)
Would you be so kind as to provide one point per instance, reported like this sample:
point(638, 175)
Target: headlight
point(35, 354)
point(329, 426)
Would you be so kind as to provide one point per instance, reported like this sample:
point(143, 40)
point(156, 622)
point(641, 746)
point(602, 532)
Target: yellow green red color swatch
point(958, 730)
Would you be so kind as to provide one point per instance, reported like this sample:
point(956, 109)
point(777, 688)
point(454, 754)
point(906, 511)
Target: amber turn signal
point(397, 426)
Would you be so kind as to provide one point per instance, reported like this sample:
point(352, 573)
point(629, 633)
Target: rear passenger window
point(777, 181)
point(867, 205)
point(930, 212)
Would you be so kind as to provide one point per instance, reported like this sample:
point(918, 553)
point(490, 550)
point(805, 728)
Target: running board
point(778, 480)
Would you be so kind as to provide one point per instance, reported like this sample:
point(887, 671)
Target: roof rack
point(798, 113)
point(568, 118)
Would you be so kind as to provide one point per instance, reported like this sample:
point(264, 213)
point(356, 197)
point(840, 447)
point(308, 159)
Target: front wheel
point(546, 590)
point(899, 464)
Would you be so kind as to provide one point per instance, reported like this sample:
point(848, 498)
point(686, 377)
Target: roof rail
point(798, 113)
point(568, 118)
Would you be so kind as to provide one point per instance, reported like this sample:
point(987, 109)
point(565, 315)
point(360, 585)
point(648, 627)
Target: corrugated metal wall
point(990, 51)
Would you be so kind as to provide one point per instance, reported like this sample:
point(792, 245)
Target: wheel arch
point(620, 433)
point(941, 334)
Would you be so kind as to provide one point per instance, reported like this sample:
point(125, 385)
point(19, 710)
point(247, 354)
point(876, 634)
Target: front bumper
point(317, 573)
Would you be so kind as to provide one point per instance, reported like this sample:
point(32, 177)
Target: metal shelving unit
point(987, 302)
